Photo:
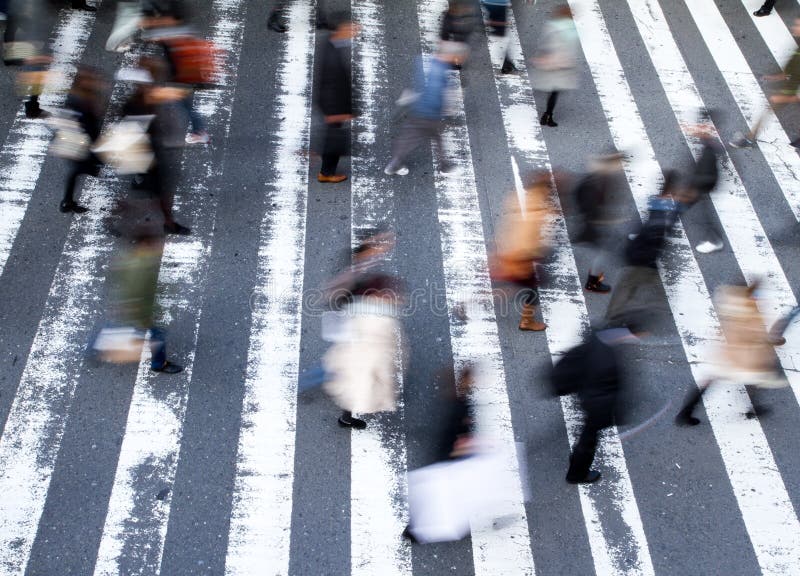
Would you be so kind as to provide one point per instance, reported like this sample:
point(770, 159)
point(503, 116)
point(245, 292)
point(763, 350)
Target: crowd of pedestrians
point(359, 370)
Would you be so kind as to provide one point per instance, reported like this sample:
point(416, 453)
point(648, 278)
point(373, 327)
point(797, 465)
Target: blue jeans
point(195, 120)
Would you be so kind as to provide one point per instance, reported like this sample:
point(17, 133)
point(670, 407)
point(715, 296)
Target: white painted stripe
point(262, 500)
point(496, 552)
point(564, 310)
point(25, 148)
point(378, 490)
point(766, 509)
point(136, 523)
point(745, 89)
point(774, 32)
point(747, 237)
point(35, 426)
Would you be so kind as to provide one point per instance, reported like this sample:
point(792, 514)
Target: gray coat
point(555, 62)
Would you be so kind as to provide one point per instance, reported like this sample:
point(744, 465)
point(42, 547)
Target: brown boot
point(528, 322)
point(332, 179)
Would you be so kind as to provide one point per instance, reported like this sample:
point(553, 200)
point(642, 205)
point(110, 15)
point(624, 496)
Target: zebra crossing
point(189, 482)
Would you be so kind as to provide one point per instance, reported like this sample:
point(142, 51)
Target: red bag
point(194, 60)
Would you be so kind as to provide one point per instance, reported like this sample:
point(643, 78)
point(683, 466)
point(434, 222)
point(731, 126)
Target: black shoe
point(547, 120)
point(352, 422)
point(762, 12)
point(175, 228)
point(409, 536)
point(776, 340)
point(276, 25)
point(33, 111)
point(508, 67)
point(83, 6)
point(591, 476)
point(72, 207)
point(596, 284)
point(168, 368)
point(757, 411)
point(686, 420)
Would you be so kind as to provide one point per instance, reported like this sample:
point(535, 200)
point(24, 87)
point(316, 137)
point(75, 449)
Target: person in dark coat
point(703, 180)
point(150, 100)
point(643, 250)
point(336, 96)
point(594, 198)
point(591, 371)
point(86, 101)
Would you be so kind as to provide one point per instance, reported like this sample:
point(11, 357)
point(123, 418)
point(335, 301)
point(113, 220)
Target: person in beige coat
point(361, 364)
point(746, 356)
point(523, 241)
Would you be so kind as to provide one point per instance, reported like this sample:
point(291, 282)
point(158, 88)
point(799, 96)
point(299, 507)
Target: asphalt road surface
point(224, 469)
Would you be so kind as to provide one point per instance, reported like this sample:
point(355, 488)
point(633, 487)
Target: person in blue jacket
point(425, 118)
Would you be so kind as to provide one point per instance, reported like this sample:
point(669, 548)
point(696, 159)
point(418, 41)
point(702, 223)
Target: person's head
point(454, 53)
point(342, 26)
point(562, 11)
point(607, 162)
point(796, 27)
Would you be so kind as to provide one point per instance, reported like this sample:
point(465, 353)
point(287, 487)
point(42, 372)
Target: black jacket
point(335, 84)
point(706, 171)
point(591, 371)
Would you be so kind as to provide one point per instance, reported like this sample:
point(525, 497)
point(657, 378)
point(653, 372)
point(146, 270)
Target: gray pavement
point(181, 524)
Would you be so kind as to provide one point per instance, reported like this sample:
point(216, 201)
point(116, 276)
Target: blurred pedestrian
point(153, 102)
point(135, 283)
point(703, 180)
point(523, 242)
point(596, 199)
point(336, 96)
point(191, 62)
point(745, 357)
point(457, 25)
point(359, 370)
point(427, 111)
point(788, 84)
point(555, 63)
point(367, 260)
point(497, 20)
point(86, 101)
point(643, 250)
point(592, 372)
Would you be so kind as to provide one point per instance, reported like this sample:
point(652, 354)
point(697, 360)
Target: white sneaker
point(632, 236)
point(402, 171)
point(708, 247)
point(201, 138)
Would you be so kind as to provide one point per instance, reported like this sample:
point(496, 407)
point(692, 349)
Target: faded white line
point(378, 491)
point(259, 535)
point(746, 91)
point(36, 422)
point(136, 522)
point(496, 552)
point(25, 148)
point(765, 506)
point(564, 310)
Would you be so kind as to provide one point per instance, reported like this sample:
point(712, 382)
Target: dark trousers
point(416, 132)
point(583, 453)
point(158, 348)
point(329, 163)
point(632, 279)
point(551, 102)
point(705, 207)
point(88, 166)
point(497, 19)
